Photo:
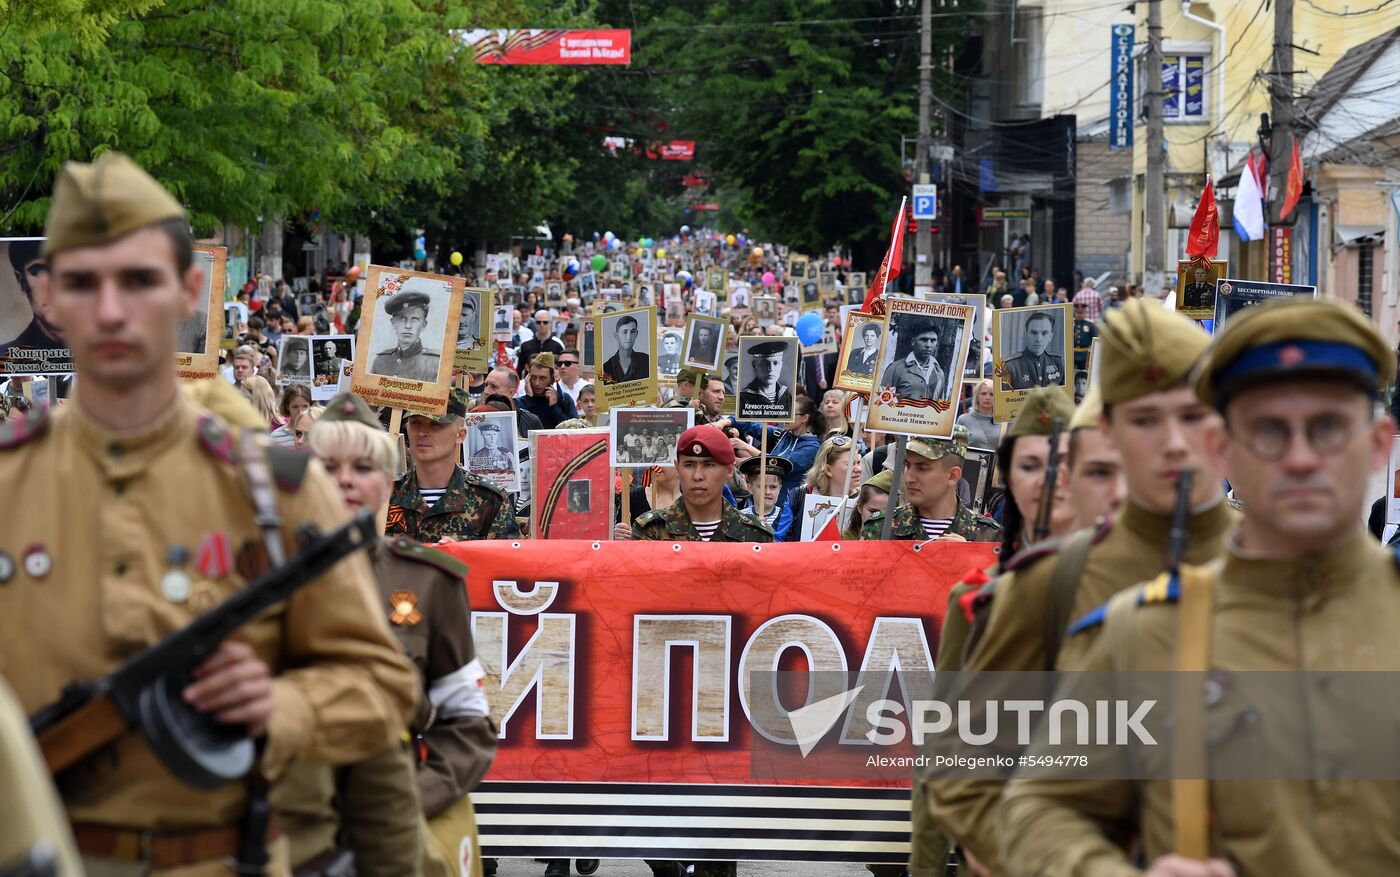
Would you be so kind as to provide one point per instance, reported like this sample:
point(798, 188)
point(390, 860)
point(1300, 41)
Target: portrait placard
point(860, 353)
point(475, 326)
point(294, 360)
point(856, 280)
point(740, 298)
point(1233, 296)
point(811, 295)
point(717, 281)
point(826, 282)
point(30, 345)
point(571, 485)
point(500, 322)
point(797, 267)
point(705, 302)
point(670, 342)
point(647, 436)
point(197, 350)
point(404, 324)
point(765, 310)
point(1195, 288)
point(332, 361)
point(973, 370)
point(731, 382)
point(767, 378)
point(921, 365)
point(626, 370)
point(233, 317)
point(489, 451)
point(817, 511)
point(978, 470)
point(1032, 346)
point(587, 332)
point(704, 342)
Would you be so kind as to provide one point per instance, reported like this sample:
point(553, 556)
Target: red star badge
point(1291, 355)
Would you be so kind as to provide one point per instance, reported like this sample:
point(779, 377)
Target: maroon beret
point(706, 442)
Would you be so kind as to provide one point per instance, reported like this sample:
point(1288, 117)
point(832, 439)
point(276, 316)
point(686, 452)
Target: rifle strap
point(252, 455)
point(1190, 789)
point(1064, 583)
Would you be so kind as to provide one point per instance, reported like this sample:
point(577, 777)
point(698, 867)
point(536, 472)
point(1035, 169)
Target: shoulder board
point(1163, 589)
point(648, 517)
point(753, 521)
point(215, 437)
point(288, 467)
point(478, 481)
point(1089, 622)
point(415, 551)
point(16, 431)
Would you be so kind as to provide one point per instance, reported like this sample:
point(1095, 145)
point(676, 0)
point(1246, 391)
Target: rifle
point(145, 692)
point(1052, 476)
point(1179, 536)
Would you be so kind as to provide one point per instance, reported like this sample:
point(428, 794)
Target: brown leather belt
point(164, 849)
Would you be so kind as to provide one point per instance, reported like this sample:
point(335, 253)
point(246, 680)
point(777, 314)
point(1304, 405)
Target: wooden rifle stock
point(1052, 478)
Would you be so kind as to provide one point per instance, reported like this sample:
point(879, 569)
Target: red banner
point(675, 150)
point(618, 671)
point(538, 46)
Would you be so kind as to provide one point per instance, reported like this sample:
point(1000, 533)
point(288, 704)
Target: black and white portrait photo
point(731, 375)
point(1031, 345)
point(704, 342)
point(668, 362)
point(554, 292)
point(765, 310)
point(920, 354)
point(626, 339)
point(863, 336)
point(579, 499)
point(767, 378)
point(588, 284)
point(586, 346)
point(972, 371)
point(739, 298)
point(331, 355)
point(811, 294)
point(490, 450)
point(469, 324)
point(704, 302)
point(647, 436)
point(646, 295)
point(409, 329)
point(294, 359)
point(500, 321)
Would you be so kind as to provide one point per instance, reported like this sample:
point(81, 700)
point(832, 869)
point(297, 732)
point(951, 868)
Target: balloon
point(731, 240)
point(353, 274)
point(455, 258)
point(608, 236)
point(686, 278)
point(568, 238)
point(769, 279)
point(571, 268)
point(836, 261)
point(758, 252)
point(420, 254)
point(600, 262)
point(661, 253)
point(743, 240)
point(685, 229)
point(809, 328)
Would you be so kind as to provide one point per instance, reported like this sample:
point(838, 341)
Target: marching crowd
point(167, 511)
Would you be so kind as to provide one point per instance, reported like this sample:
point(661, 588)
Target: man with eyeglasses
point(1300, 586)
point(571, 381)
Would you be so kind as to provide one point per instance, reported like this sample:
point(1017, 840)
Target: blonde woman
point(983, 430)
point(259, 392)
point(302, 423)
point(834, 410)
point(426, 604)
point(827, 476)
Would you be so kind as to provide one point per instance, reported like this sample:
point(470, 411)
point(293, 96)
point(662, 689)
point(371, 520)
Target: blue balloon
point(809, 328)
point(420, 254)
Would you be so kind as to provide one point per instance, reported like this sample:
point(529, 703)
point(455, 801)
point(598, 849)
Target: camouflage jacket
point(906, 525)
point(689, 402)
point(471, 509)
point(672, 524)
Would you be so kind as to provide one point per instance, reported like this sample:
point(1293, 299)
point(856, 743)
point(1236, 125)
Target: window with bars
point(1365, 264)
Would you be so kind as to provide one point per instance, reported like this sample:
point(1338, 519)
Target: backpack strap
point(1064, 582)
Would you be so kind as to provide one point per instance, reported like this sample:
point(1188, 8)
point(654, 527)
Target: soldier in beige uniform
point(1159, 425)
point(424, 596)
point(136, 517)
point(1300, 586)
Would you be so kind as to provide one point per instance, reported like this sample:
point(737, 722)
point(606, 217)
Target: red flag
point(1204, 238)
point(889, 268)
point(1294, 190)
point(832, 531)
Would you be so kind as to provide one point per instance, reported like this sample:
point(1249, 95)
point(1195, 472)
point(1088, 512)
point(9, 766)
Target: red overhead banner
point(538, 46)
point(618, 674)
point(675, 150)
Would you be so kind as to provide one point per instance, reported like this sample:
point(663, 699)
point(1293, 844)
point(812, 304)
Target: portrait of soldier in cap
point(1038, 364)
point(295, 357)
point(329, 356)
point(469, 324)
point(767, 369)
point(669, 362)
point(491, 451)
point(403, 317)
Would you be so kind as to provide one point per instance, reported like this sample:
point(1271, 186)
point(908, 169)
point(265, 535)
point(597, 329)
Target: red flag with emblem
point(889, 268)
point(1204, 239)
point(1294, 189)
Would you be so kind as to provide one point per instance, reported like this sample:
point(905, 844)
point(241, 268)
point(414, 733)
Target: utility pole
point(1281, 106)
point(1154, 214)
point(923, 241)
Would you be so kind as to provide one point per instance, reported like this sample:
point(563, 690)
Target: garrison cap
point(543, 359)
point(1294, 339)
point(1146, 349)
point(347, 407)
point(768, 348)
point(1042, 407)
point(688, 375)
point(227, 401)
point(1087, 415)
point(882, 481)
point(776, 466)
point(706, 442)
point(101, 202)
point(407, 300)
point(937, 449)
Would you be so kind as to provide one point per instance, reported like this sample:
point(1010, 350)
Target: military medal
point(215, 557)
point(37, 562)
point(175, 584)
point(405, 608)
point(7, 567)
